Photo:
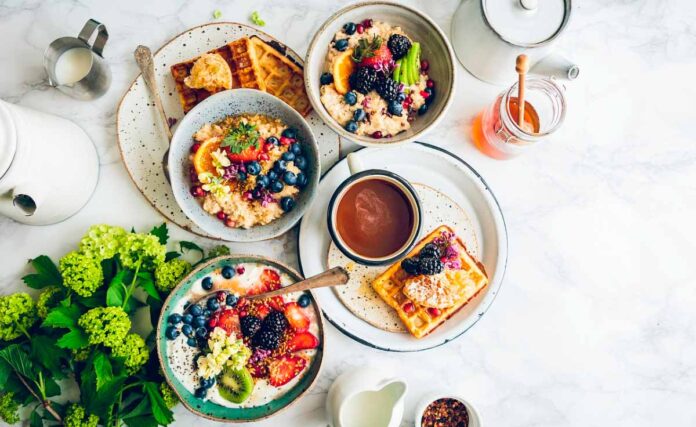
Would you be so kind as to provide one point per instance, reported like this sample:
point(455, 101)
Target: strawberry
point(271, 278)
point(277, 303)
point(380, 60)
point(302, 341)
point(284, 369)
point(249, 154)
point(297, 319)
point(229, 321)
point(262, 311)
point(257, 370)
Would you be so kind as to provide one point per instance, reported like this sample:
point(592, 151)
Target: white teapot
point(48, 166)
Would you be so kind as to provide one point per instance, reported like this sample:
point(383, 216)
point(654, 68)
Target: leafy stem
point(41, 399)
point(23, 329)
point(131, 287)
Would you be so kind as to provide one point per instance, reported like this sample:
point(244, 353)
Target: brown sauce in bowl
point(445, 412)
point(374, 218)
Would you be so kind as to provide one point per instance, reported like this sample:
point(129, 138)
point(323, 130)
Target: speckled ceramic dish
point(213, 109)
point(435, 47)
point(249, 411)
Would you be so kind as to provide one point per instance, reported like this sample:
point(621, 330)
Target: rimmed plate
point(140, 139)
point(208, 409)
point(445, 172)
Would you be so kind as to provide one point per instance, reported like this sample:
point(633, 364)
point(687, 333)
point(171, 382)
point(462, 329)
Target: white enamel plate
point(445, 172)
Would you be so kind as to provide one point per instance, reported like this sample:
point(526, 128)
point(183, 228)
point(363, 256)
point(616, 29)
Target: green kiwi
point(235, 385)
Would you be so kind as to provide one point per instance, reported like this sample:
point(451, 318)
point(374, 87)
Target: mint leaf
point(76, 338)
point(161, 232)
point(62, 317)
point(47, 273)
point(162, 414)
point(241, 137)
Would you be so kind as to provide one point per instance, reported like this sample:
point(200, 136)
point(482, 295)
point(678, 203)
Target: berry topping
point(290, 178)
point(326, 79)
point(430, 251)
point(304, 300)
point(240, 270)
point(349, 28)
point(359, 28)
point(207, 283)
point(367, 23)
point(221, 215)
point(276, 186)
point(227, 272)
point(374, 54)
point(171, 333)
point(424, 65)
point(423, 109)
point(351, 126)
point(250, 325)
point(289, 133)
point(265, 338)
point(430, 266)
point(197, 191)
point(247, 155)
point(409, 307)
point(363, 80)
point(276, 322)
point(301, 162)
point(284, 369)
point(288, 156)
point(296, 317)
point(359, 115)
point(410, 266)
point(302, 341)
point(434, 312)
point(287, 204)
point(341, 45)
point(398, 45)
point(351, 98)
point(253, 168)
point(387, 88)
point(395, 108)
point(228, 320)
point(377, 134)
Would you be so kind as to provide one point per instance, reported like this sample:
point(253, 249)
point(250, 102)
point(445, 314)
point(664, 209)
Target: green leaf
point(5, 372)
point(256, 19)
point(51, 387)
point(142, 408)
point(102, 369)
point(141, 421)
point(117, 291)
point(19, 360)
point(62, 317)
point(162, 414)
point(171, 255)
point(45, 351)
point(35, 419)
point(47, 273)
point(146, 282)
point(241, 137)
point(190, 246)
point(161, 232)
point(76, 338)
point(217, 14)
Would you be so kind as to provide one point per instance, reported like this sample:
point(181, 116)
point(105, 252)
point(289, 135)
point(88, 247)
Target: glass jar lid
point(526, 23)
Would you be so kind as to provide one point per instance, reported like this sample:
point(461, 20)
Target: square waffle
point(468, 281)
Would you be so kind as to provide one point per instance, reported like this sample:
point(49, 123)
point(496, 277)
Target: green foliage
point(161, 232)
point(17, 315)
point(9, 408)
point(170, 398)
point(168, 274)
point(133, 351)
point(76, 416)
point(241, 137)
point(47, 273)
point(102, 241)
point(105, 325)
point(81, 273)
point(48, 299)
point(219, 250)
point(142, 251)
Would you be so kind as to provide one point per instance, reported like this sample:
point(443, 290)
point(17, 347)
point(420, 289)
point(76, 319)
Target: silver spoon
point(143, 57)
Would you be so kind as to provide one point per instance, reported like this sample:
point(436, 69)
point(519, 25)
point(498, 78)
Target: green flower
point(168, 274)
point(9, 408)
point(105, 325)
point(17, 315)
point(48, 299)
point(80, 354)
point(170, 398)
point(81, 273)
point(134, 350)
point(102, 241)
point(142, 250)
point(218, 251)
point(76, 416)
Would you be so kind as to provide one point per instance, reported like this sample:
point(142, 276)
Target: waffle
point(469, 281)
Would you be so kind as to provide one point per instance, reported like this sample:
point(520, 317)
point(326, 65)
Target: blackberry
point(265, 338)
point(387, 89)
point(363, 80)
point(250, 325)
point(276, 322)
point(410, 266)
point(398, 45)
point(430, 266)
point(430, 251)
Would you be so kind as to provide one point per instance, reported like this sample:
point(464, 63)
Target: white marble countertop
point(595, 322)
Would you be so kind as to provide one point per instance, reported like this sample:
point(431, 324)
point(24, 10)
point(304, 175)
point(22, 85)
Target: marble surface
point(595, 322)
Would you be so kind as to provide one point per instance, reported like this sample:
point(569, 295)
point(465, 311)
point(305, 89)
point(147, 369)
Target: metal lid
point(526, 23)
point(8, 138)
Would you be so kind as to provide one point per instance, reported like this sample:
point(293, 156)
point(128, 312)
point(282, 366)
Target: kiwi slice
point(235, 385)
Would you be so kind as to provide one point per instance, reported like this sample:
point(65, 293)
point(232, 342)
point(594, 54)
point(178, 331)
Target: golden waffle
point(281, 76)
point(190, 97)
point(469, 281)
point(245, 68)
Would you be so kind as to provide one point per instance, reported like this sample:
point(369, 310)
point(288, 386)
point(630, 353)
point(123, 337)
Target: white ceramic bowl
point(474, 418)
point(435, 47)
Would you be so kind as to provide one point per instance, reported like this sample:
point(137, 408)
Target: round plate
point(437, 168)
point(209, 409)
point(142, 142)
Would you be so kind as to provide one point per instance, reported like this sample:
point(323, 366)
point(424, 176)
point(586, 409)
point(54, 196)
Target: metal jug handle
point(102, 35)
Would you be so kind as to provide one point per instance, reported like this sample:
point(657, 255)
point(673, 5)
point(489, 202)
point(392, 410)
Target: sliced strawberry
point(271, 278)
point(262, 311)
point(302, 341)
point(251, 153)
point(284, 369)
point(381, 60)
point(229, 321)
point(277, 303)
point(258, 371)
point(297, 319)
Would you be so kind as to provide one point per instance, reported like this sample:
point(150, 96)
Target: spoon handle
point(334, 277)
point(143, 57)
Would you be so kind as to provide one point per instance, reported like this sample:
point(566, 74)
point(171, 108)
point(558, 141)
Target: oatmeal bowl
point(244, 165)
point(380, 73)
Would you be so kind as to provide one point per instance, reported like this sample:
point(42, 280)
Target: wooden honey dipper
point(521, 66)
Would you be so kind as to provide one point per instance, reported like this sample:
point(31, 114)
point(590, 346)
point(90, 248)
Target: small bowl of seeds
point(441, 409)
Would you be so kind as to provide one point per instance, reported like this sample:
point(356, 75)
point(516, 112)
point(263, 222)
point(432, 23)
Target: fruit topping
point(359, 28)
point(430, 251)
point(350, 98)
point(341, 45)
point(351, 126)
point(171, 333)
point(304, 300)
point(342, 69)
point(290, 178)
point(296, 317)
point(387, 88)
point(326, 78)
point(287, 204)
point(363, 80)
point(367, 23)
point(407, 70)
point(410, 265)
point(284, 369)
point(235, 385)
point(430, 266)
point(374, 54)
point(349, 28)
point(250, 325)
point(423, 109)
point(302, 341)
point(398, 45)
point(228, 320)
point(207, 283)
point(395, 108)
point(359, 115)
point(434, 312)
point(227, 272)
point(266, 338)
point(409, 307)
point(174, 319)
point(276, 322)
point(240, 269)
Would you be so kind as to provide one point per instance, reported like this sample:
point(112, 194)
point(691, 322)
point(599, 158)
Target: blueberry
point(287, 203)
point(359, 115)
point(199, 321)
point(192, 342)
point(187, 319)
point(300, 162)
point(231, 300)
point(301, 180)
point(262, 181)
point(276, 187)
point(280, 166)
point(272, 175)
point(171, 333)
point(304, 300)
point(326, 79)
point(423, 109)
point(201, 393)
point(401, 97)
point(296, 149)
point(289, 133)
point(256, 194)
point(207, 382)
point(213, 304)
point(351, 126)
point(241, 176)
point(253, 168)
point(175, 318)
point(206, 313)
point(273, 140)
point(290, 178)
point(227, 272)
point(288, 156)
point(201, 332)
point(341, 45)
point(187, 330)
point(431, 98)
point(351, 98)
point(207, 283)
point(349, 28)
point(196, 310)
point(395, 108)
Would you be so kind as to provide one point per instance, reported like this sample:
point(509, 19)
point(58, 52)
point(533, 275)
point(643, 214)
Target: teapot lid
point(526, 23)
point(8, 138)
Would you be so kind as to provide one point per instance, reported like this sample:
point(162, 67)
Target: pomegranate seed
point(268, 146)
point(242, 301)
point(240, 269)
point(213, 322)
point(248, 195)
point(377, 135)
point(359, 28)
point(195, 147)
point(193, 175)
point(221, 296)
point(430, 83)
point(425, 65)
point(409, 308)
point(221, 216)
point(434, 312)
point(264, 156)
point(286, 141)
point(243, 313)
point(367, 23)
point(230, 222)
point(424, 94)
point(197, 191)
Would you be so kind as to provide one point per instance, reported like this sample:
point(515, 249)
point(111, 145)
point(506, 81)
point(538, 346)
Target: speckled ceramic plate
point(449, 175)
point(141, 141)
point(358, 295)
point(210, 409)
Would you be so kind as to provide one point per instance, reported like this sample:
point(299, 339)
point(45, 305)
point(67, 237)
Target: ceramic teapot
point(487, 36)
point(365, 397)
point(48, 166)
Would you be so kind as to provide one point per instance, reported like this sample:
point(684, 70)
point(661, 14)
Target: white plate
point(445, 172)
point(142, 142)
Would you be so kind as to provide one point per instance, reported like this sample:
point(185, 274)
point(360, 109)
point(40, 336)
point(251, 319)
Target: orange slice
point(202, 160)
point(342, 69)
